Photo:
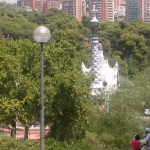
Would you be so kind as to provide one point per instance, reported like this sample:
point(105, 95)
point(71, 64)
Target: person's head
point(137, 137)
point(147, 130)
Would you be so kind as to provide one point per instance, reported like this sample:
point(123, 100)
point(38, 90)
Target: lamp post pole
point(42, 35)
point(42, 101)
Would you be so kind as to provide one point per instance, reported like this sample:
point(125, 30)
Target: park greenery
point(77, 120)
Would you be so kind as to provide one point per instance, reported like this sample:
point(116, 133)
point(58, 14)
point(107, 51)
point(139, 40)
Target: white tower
point(106, 78)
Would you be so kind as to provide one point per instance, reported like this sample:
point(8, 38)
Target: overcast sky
point(9, 1)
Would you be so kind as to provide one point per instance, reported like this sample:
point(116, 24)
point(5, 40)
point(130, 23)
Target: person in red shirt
point(136, 143)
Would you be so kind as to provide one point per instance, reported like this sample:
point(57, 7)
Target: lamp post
point(42, 35)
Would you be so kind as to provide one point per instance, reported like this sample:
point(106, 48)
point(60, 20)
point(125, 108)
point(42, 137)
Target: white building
point(119, 13)
point(107, 78)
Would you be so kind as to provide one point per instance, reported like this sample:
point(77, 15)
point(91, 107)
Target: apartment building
point(73, 7)
point(147, 11)
point(49, 4)
point(91, 3)
point(110, 10)
point(34, 4)
point(119, 10)
point(119, 13)
point(105, 9)
point(135, 10)
point(84, 7)
point(19, 2)
point(119, 2)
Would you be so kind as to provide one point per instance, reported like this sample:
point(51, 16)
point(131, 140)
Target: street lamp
point(42, 35)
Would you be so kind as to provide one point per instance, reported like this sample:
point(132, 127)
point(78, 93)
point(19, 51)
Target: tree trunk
point(26, 133)
point(13, 129)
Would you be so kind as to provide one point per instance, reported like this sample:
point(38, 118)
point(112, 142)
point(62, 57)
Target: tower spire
point(94, 10)
point(94, 23)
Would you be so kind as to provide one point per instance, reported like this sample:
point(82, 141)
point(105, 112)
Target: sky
point(9, 1)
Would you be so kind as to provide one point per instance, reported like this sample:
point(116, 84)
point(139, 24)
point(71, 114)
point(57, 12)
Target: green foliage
point(143, 82)
point(133, 45)
point(124, 40)
point(66, 88)
point(86, 21)
point(113, 129)
point(8, 143)
point(127, 41)
point(65, 27)
point(67, 104)
point(83, 56)
point(21, 24)
point(68, 107)
point(19, 81)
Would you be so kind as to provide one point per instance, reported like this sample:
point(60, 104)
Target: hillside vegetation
point(75, 118)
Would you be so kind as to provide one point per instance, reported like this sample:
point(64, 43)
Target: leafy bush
point(7, 143)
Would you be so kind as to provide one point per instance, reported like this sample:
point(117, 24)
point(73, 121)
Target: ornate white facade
point(106, 78)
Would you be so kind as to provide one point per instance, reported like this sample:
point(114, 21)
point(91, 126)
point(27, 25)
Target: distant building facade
point(135, 10)
point(119, 13)
point(110, 10)
point(119, 10)
point(147, 11)
point(19, 2)
point(34, 4)
point(105, 9)
point(48, 4)
point(73, 7)
point(28, 8)
point(113, 10)
point(84, 6)
point(119, 2)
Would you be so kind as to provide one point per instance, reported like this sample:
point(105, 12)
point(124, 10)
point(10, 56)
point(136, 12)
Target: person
point(136, 143)
point(147, 133)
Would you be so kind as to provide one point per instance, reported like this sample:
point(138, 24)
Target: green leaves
point(133, 45)
point(68, 108)
point(19, 80)
point(129, 41)
point(114, 129)
point(65, 91)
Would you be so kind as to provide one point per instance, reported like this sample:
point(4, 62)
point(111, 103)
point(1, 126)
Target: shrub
point(8, 143)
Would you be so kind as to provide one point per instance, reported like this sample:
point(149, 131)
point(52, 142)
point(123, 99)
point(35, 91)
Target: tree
point(67, 109)
point(66, 88)
point(113, 129)
point(142, 82)
point(133, 45)
point(86, 21)
point(19, 82)
point(123, 24)
point(65, 27)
